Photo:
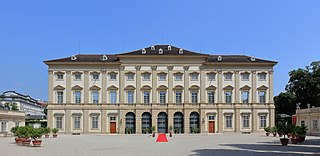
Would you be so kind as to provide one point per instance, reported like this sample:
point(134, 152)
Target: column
point(50, 87)
point(138, 84)
point(254, 87)
point(220, 93)
point(68, 120)
point(186, 86)
point(170, 85)
point(104, 86)
point(154, 85)
point(86, 87)
point(202, 85)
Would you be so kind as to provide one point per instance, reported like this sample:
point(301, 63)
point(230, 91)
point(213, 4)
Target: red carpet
point(162, 138)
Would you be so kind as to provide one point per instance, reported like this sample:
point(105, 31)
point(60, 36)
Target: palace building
point(160, 86)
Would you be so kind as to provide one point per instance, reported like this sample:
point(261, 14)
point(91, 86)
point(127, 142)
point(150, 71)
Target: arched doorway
point(162, 122)
point(194, 122)
point(178, 122)
point(130, 123)
point(146, 123)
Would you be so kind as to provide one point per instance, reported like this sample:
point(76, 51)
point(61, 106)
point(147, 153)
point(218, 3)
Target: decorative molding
point(94, 87)
point(86, 72)
point(162, 73)
point(162, 87)
point(103, 71)
point(186, 67)
point(112, 72)
point(146, 87)
point(50, 71)
point(76, 114)
point(263, 87)
point(271, 71)
point(121, 67)
point(77, 72)
point(94, 114)
point(138, 67)
point(59, 72)
point(253, 72)
point(178, 87)
point(228, 88)
point(202, 67)
point(129, 87)
point(130, 72)
point(170, 67)
point(220, 71)
point(112, 88)
point(76, 87)
point(153, 67)
point(194, 87)
point(94, 72)
point(68, 71)
point(211, 87)
point(178, 73)
point(246, 87)
point(59, 87)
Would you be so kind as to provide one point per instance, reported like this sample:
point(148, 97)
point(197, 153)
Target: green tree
point(285, 103)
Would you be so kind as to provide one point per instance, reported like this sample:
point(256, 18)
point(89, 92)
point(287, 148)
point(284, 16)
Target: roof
point(148, 51)
point(14, 94)
point(166, 51)
point(237, 59)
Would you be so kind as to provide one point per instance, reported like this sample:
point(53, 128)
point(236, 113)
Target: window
point(262, 76)
point(210, 97)
point(211, 77)
point(263, 121)
point(162, 77)
point(262, 97)
point(113, 97)
point(194, 76)
point(3, 126)
point(162, 97)
point(178, 97)
point(113, 76)
point(178, 77)
point(17, 124)
point(130, 77)
point(76, 122)
point(228, 76)
point(95, 97)
point(59, 122)
point(245, 97)
point(146, 77)
point(130, 97)
point(77, 76)
point(315, 124)
point(95, 76)
point(146, 97)
point(245, 76)
point(228, 121)
point(245, 121)
point(112, 118)
point(194, 97)
point(228, 95)
point(59, 76)
point(77, 96)
point(59, 97)
point(302, 123)
point(95, 121)
point(211, 117)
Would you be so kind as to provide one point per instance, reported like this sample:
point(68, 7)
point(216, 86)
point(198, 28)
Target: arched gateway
point(162, 122)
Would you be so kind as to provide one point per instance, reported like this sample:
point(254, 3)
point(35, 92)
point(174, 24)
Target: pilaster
point(121, 85)
point(202, 84)
point(103, 121)
point(186, 86)
point(50, 86)
point(68, 121)
point(237, 87)
point(86, 87)
point(154, 84)
point(271, 86)
point(254, 87)
point(86, 124)
point(68, 87)
point(170, 84)
point(104, 86)
point(138, 84)
point(220, 93)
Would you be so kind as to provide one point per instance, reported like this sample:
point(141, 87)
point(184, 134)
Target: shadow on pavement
point(225, 152)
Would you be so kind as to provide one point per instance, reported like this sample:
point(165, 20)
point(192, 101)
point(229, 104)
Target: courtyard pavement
point(140, 145)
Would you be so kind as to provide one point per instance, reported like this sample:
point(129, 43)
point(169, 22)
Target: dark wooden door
point(211, 126)
point(113, 128)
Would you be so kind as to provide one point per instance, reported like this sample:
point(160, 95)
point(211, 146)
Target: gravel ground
point(216, 144)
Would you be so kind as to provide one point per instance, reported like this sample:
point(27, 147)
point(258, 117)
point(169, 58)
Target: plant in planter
point(284, 130)
point(25, 133)
point(46, 132)
point(153, 128)
point(55, 131)
point(14, 131)
point(36, 133)
point(170, 129)
point(268, 130)
point(274, 131)
point(294, 137)
point(301, 132)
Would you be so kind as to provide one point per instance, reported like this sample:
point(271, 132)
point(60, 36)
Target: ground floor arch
point(194, 122)
point(162, 122)
point(146, 123)
point(178, 122)
point(130, 123)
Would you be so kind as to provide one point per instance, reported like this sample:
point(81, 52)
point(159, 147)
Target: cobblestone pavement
point(110, 145)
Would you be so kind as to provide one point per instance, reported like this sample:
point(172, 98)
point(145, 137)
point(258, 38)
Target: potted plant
point(302, 132)
point(274, 131)
point(55, 131)
point(284, 130)
point(153, 128)
point(14, 131)
point(36, 133)
point(46, 132)
point(294, 137)
point(26, 133)
point(268, 130)
point(170, 129)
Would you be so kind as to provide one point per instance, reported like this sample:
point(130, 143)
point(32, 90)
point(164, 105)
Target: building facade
point(9, 119)
point(309, 117)
point(33, 108)
point(161, 86)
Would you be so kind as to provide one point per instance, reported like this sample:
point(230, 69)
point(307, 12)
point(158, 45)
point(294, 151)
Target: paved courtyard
point(217, 144)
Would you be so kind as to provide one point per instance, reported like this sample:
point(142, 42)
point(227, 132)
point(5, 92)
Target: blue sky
point(287, 31)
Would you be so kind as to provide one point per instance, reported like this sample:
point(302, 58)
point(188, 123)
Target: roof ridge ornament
point(180, 51)
point(253, 58)
point(153, 48)
point(73, 58)
point(104, 58)
point(143, 51)
point(219, 58)
point(160, 51)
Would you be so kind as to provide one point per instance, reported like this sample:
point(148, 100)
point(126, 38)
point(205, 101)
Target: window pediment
point(263, 87)
point(95, 87)
point(246, 87)
point(178, 87)
point(194, 87)
point(228, 87)
point(58, 87)
point(162, 87)
point(146, 87)
point(211, 87)
point(130, 87)
point(112, 88)
point(76, 87)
